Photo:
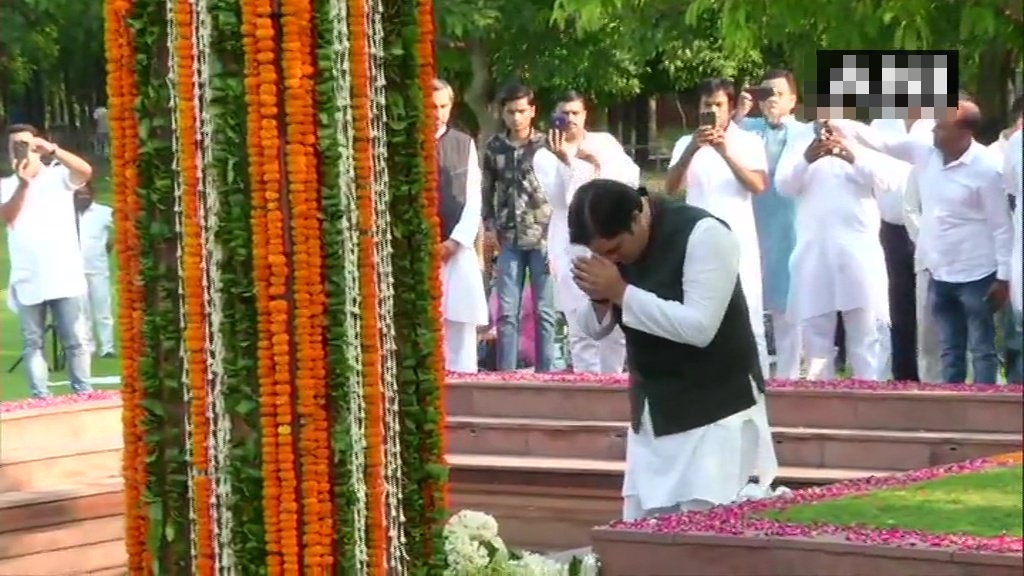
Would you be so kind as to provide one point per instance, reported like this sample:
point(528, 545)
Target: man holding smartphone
point(723, 167)
point(36, 205)
point(574, 157)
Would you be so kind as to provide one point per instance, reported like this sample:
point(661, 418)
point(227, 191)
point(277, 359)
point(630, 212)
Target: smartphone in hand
point(760, 93)
point(559, 122)
point(707, 119)
point(20, 151)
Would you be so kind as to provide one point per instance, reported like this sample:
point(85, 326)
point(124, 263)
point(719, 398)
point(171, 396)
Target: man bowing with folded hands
point(667, 273)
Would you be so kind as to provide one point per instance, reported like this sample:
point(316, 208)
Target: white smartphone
point(579, 251)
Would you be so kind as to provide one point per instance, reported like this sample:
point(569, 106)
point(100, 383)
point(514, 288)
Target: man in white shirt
point(577, 156)
point(912, 332)
point(95, 221)
point(956, 203)
point(838, 264)
point(46, 262)
point(668, 275)
point(721, 167)
point(101, 116)
point(459, 208)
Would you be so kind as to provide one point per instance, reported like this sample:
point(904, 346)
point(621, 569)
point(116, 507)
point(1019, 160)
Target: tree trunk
point(477, 95)
point(991, 90)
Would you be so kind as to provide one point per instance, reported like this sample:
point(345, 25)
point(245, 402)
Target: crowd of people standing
point(903, 233)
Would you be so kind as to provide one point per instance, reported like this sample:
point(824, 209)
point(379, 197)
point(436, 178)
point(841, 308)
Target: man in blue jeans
point(36, 206)
point(516, 213)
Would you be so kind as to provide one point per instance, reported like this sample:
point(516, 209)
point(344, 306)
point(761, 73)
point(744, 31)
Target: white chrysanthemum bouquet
point(474, 548)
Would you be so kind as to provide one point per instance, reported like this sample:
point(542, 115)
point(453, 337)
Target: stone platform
point(734, 540)
point(544, 456)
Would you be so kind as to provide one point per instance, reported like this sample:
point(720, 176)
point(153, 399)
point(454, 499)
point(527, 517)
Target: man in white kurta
point(711, 177)
point(838, 264)
point(95, 221)
point(584, 156)
point(464, 305)
point(705, 465)
point(1013, 178)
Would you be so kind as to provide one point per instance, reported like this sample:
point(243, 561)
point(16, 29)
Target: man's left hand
point(718, 140)
point(448, 249)
point(43, 146)
point(998, 294)
point(598, 278)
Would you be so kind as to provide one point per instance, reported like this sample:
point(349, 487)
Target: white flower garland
point(344, 132)
point(474, 548)
point(186, 392)
point(219, 440)
point(397, 559)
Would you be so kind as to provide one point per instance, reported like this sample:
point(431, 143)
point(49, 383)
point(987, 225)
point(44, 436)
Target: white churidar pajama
point(560, 182)
point(464, 302)
point(709, 465)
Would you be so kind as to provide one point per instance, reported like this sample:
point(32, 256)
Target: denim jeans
point(965, 322)
point(67, 317)
point(512, 266)
point(1013, 340)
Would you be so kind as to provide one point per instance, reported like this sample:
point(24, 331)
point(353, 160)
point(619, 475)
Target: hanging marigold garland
point(122, 90)
point(192, 279)
point(261, 80)
point(308, 289)
point(376, 541)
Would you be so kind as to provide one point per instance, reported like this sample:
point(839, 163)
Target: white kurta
point(710, 184)
point(560, 182)
point(1013, 175)
point(464, 305)
point(710, 464)
point(838, 264)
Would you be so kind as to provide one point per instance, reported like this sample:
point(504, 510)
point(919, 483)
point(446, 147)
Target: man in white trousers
point(95, 222)
point(464, 305)
point(575, 157)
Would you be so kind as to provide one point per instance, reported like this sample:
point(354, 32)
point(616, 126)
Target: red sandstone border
point(743, 520)
point(526, 377)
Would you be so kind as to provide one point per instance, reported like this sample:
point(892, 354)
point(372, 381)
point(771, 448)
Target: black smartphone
point(707, 119)
point(559, 122)
point(20, 151)
point(760, 93)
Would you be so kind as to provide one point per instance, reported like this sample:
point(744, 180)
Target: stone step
point(801, 447)
point(88, 559)
point(66, 461)
point(859, 409)
point(69, 530)
point(598, 477)
point(38, 429)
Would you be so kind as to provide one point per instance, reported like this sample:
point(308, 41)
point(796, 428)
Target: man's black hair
point(514, 91)
point(603, 209)
point(572, 96)
point(19, 128)
point(713, 86)
point(777, 74)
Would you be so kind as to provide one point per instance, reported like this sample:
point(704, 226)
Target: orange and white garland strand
point(341, 51)
point(192, 271)
point(220, 438)
point(397, 561)
point(122, 85)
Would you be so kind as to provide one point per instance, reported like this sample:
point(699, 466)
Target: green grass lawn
point(14, 386)
point(985, 504)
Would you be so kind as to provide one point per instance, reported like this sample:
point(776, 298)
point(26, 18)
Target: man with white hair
point(459, 207)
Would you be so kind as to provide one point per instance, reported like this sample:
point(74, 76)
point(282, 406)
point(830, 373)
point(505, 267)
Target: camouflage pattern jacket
point(514, 203)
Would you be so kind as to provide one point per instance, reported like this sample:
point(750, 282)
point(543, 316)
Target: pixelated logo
point(890, 81)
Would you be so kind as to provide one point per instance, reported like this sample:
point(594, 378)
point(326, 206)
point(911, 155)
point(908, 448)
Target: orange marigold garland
point(192, 265)
point(308, 284)
point(259, 42)
point(122, 91)
point(376, 540)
